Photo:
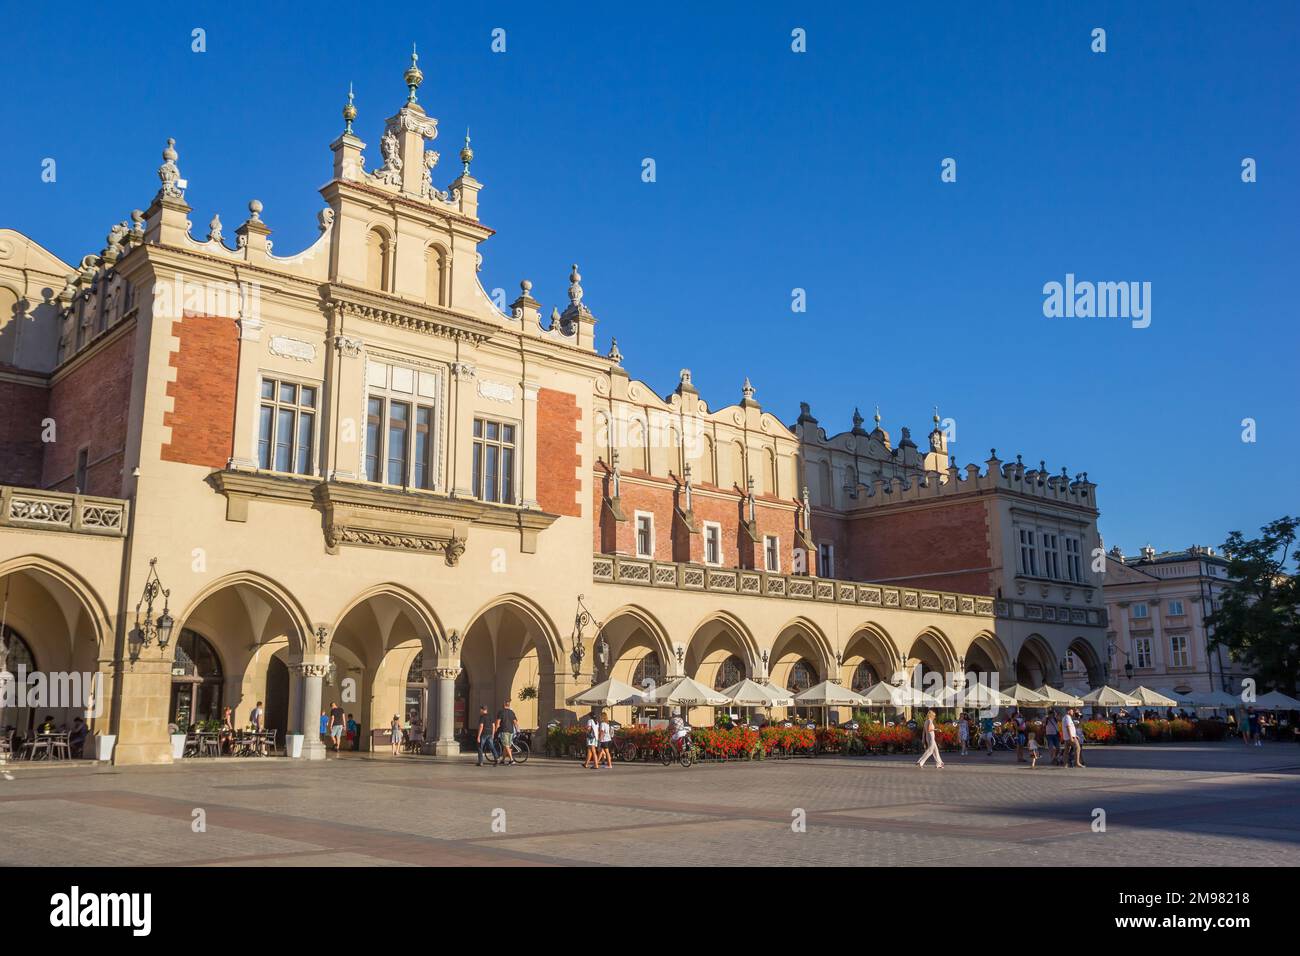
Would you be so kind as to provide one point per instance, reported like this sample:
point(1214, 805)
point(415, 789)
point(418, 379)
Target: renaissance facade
point(231, 475)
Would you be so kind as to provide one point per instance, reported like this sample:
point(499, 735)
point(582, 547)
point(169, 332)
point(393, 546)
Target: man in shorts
point(986, 731)
point(338, 722)
point(507, 725)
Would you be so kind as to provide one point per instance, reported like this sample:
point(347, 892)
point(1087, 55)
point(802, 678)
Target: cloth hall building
point(230, 474)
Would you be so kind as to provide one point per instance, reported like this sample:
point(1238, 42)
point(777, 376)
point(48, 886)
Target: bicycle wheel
point(520, 752)
point(666, 755)
point(685, 759)
point(628, 753)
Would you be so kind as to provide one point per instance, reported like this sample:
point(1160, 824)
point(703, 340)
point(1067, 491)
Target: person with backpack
point(485, 744)
point(1018, 722)
point(1052, 734)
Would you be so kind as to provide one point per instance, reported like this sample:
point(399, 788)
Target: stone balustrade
point(60, 511)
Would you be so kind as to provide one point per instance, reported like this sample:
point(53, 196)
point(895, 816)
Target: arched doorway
point(869, 657)
point(506, 655)
point(17, 659)
point(931, 662)
point(1034, 664)
point(197, 683)
point(277, 697)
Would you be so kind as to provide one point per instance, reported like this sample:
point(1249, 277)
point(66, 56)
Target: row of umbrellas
point(688, 692)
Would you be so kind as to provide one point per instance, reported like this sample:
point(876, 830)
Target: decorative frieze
point(295, 349)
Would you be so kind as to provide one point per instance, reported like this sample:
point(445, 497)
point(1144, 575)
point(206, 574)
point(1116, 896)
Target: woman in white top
point(593, 741)
point(931, 741)
point(604, 749)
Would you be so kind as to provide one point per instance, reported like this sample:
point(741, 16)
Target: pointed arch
point(429, 627)
point(531, 610)
point(274, 592)
point(96, 611)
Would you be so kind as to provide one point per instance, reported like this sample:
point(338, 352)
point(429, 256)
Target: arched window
point(802, 676)
point(379, 256)
point(197, 682)
point(731, 672)
point(706, 474)
point(769, 472)
point(863, 677)
point(648, 668)
point(18, 653)
point(9, 314)
point(435, 266)
point(415, 687)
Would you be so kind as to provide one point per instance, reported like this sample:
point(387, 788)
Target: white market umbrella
point(828, 694)
point(748, 693)
point(1025, 696)
point(1276, 700)
point(1146, 697)
point(686, 692)
point(1184, 700)
point(1217, 700)
point(609, 693)
point(883, 694)
point(1058, 698)
point(1106, 696)
point(975, 695)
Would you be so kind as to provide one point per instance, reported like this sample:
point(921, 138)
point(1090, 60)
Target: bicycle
point(520, 747)
point(678, 751)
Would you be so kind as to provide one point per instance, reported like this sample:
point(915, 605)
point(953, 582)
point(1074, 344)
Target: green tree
point(1258, 620)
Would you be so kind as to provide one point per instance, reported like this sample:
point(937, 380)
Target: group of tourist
point(76, 735)
point(1063, 736)
point(496, 738)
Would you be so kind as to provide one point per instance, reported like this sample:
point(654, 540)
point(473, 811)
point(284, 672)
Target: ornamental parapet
point(615, 569)
point(30, 508)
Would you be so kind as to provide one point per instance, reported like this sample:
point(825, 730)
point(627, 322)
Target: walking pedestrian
point(507, 726)
point(963, 731)
point(592, 726)
point(931, 741)
point(605, 749)
point(338, 720)
point(1254, 731)
point(485, 736)
point(1052, 733)
point(986, 731)
point(1018, 728)
point(395, 732)
point(1078, 738)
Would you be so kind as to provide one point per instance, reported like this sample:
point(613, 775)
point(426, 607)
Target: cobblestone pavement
point(1192, 805)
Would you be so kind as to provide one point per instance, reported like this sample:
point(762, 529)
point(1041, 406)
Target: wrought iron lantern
point(149, 629)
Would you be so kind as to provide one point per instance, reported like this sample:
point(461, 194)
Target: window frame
point(386, 395)
point(772, 553)
point(277, 405)
point(480, 443)
point(715, 527)
point(825, 568)
point(1175, 652)
point(636, 530)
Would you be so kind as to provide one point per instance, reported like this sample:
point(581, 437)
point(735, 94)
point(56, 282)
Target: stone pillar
point(295, 702)
point(142, 698)
point(247, 384)
point(311, 674)
point(462, 374)
point(348, 409)
point(446, 745)
point(528, 497)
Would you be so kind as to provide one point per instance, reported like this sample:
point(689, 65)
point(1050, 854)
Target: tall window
point(378, 260)
point(494, 461)
point(401, 426)
point(802, 676)
point(1073, 560)
point(645, 535)
point(648, 668)
point(1178, 650)
point(286, 426)
point(1140, 611)
point(435, 266)
point(1175, 608)
point(826, 560)
point(772, 552)
point(731, 671)
point(196, 681)
point(712, 543)
point(79, 478)
point(1051, 561)
point(1028, 553)
point(864, 677)
point(1142, 651)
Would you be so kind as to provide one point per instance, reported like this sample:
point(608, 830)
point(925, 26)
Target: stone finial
point(414, 76)
point(214, 229)
point(936, 418)
point(747, 390)
point(169, 173)
point(877, 416)
point(556, 320)
point(615, 355)
point(857, 421)
point(466, 154)
point(349, 113)
point(255, 210)
point(325, 218)
point(684, 377)
point(137, 223)
point(575, 288)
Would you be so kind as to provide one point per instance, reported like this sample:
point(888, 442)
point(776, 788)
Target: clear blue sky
point(774, 171)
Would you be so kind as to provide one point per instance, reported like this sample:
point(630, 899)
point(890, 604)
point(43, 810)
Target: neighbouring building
point(346, 475)
point(1157, 603)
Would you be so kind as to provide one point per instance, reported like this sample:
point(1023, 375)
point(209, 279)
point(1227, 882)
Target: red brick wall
point(659, 496)
point(89, 406)
point(22, 408)
point(944, 547)
point(202, 419)
point(559, 437)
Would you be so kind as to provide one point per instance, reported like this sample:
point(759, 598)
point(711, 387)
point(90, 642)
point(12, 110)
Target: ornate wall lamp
point(581, 618)
point(148, 629)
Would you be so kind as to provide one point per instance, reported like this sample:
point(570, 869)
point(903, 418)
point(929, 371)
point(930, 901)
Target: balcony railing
point(60, 511)
point(615, 569)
